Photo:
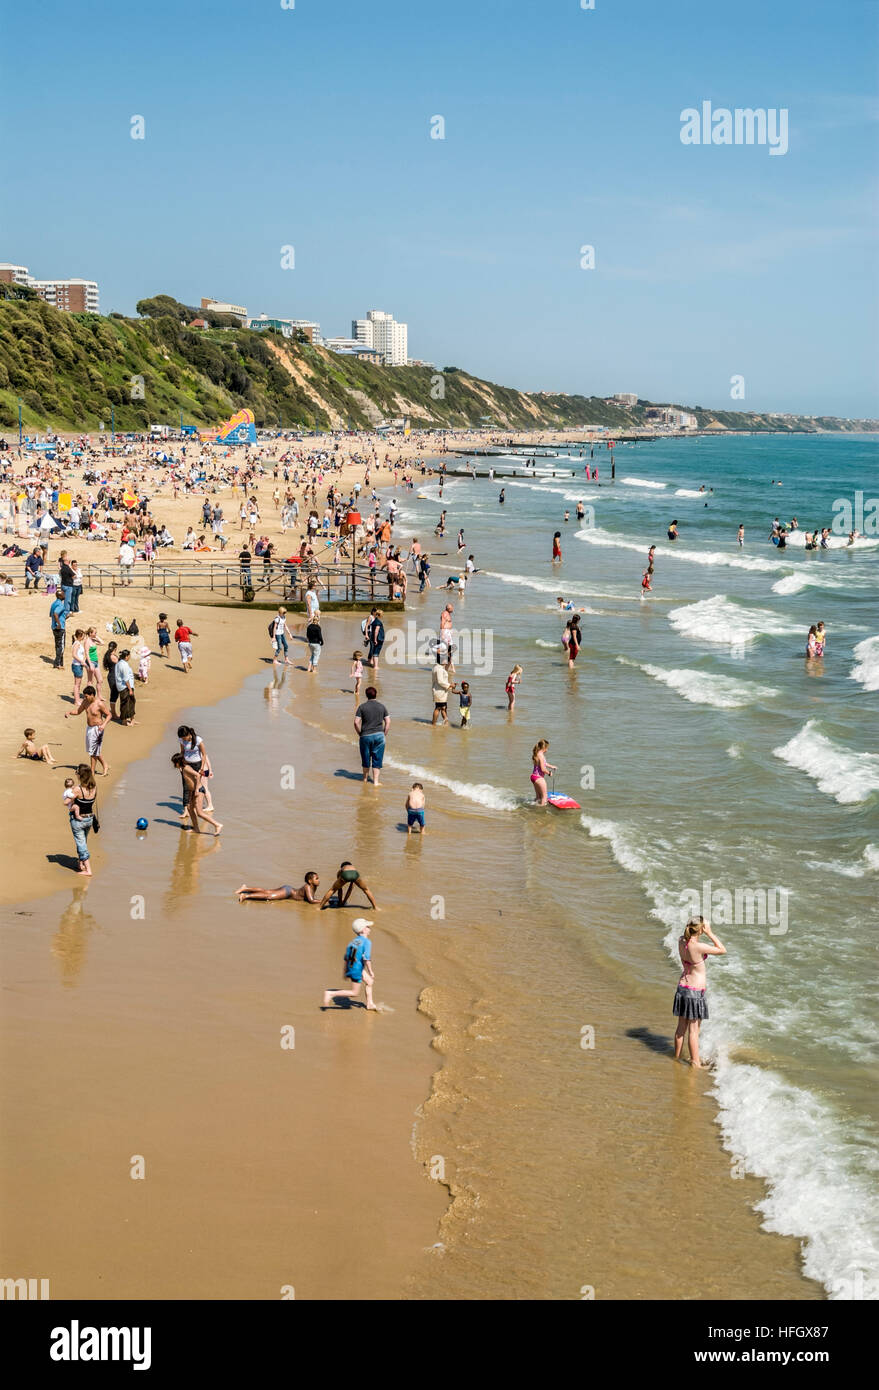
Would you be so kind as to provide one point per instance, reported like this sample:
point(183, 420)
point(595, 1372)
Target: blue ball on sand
point(142, 823)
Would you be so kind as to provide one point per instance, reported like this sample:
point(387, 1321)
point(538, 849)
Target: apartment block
point(76, 296)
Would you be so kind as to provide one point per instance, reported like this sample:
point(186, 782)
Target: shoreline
point(470, 1110)
point(224, 656)
point(448, 982)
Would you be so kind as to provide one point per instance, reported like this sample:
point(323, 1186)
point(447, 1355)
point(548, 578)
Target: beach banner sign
point(238, 429)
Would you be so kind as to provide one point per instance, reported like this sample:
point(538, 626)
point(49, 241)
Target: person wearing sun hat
point(358, 966)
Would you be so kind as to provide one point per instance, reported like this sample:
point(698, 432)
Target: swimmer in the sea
point(305, 894)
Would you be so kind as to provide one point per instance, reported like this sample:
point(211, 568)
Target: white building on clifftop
point(382, 332)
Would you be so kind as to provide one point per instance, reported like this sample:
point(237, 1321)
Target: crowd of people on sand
point(119, 502)
point(105, 682)
point(104, 691)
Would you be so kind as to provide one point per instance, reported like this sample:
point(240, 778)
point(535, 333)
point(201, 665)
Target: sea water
point(723, 772)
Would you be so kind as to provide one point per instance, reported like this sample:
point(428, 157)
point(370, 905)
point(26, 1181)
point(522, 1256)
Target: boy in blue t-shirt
point(358, 967)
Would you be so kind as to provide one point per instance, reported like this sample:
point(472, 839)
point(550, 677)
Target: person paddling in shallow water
point(540, 771)
point(195, 796)
point(346, 880)
point(690, 1006)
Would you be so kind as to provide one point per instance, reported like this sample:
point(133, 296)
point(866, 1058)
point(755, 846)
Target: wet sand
point(39, 854)
point(160, 1036)
point(569, 1168)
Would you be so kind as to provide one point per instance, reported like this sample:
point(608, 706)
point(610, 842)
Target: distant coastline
point(70, 372)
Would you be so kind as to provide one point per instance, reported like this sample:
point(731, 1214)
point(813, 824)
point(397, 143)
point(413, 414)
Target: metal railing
point(352, 583)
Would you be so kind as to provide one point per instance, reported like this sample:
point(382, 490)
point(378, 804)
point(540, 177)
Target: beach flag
point(129, 498)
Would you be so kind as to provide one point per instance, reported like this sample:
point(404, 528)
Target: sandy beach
point(499, 1156)
point(228, 643)
point(160, 1038)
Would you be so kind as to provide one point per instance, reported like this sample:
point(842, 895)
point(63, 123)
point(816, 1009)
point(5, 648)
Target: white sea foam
point(862, 543)
point(814, 577)
point(839, 771)
point(728, 624)
point(688, 492)
point(810, 1160)
point(594, 535)
point(540, 586)
point(866, 668)
point(551, 645)
point(643, 482)
point(836, 866)
point(792, 583)
point(797, 540)
point(734, 751)
point(702, 688)
point(867, 864)
point(794, 1141)
point(586, 495)
point(482, 793)
point(624, 851)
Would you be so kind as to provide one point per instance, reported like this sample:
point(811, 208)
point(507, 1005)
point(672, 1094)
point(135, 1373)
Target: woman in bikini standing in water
point(539, 771)
point(690, 1006)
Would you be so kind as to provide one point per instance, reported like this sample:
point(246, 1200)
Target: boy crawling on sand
point(30, 750)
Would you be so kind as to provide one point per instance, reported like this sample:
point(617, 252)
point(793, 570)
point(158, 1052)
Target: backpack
point(351, 956)
point(133, 629)
point(119, 626)
point(272, 627)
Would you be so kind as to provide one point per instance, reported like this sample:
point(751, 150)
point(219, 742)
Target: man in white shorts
point(126, 561)
point(97, 716)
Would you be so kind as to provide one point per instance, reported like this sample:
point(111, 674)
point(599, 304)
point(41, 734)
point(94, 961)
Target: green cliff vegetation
point(72, 371)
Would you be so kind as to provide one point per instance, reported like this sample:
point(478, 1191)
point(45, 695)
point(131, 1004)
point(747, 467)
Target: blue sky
point(310, 127)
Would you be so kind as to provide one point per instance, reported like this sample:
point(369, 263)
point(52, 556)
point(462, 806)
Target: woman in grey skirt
point(690, 1006)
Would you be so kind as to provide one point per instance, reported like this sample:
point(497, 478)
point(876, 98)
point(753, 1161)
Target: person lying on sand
point(305, 894)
